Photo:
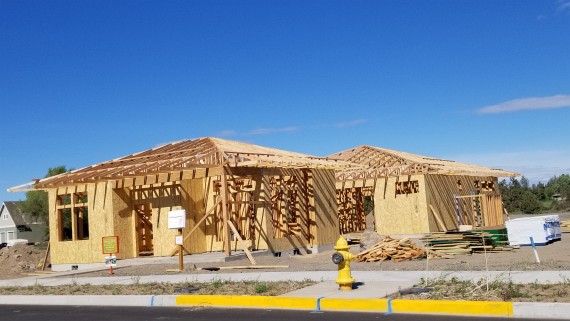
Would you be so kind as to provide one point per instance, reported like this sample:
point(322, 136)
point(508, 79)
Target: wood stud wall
point(351, 215)
point(463, 203)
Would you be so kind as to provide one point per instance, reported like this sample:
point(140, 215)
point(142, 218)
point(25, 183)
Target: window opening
point(408, 187)
point(72, 216)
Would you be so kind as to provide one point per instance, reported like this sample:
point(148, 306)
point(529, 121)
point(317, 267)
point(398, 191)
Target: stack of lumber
point(463, 242)
point(396, 250)
point(565, 226)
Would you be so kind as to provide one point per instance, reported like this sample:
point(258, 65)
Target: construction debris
point(397, 250)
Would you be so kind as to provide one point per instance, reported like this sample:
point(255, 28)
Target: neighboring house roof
point(176, 159)
point(382, 162)
point(17, 215)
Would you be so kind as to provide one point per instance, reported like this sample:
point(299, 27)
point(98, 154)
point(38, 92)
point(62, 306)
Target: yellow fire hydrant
point(342, 258)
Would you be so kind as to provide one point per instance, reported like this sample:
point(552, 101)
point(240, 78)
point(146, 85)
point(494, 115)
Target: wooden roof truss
point(380, 162)
point(186, 159)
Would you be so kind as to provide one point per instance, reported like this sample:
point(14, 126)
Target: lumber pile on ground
point(463, 243)
point(565, 226)
point(393, 249)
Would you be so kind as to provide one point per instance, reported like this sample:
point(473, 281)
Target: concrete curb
point(92, 300)
point(478, 308)
point(538, 310)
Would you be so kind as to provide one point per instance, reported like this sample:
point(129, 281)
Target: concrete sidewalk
point(369, 294)
point(392, 279)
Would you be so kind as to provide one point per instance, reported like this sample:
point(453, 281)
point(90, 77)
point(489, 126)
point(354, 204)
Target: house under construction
point(237, 196)
point(415, 194)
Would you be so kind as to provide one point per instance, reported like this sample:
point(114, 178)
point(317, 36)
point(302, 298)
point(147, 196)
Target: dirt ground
point(17, 261)
point(553, 257)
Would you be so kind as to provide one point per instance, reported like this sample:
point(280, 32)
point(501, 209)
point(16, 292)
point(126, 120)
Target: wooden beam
point(438, 219)
point(225, 214)
point(470, 196)
point(243, 244)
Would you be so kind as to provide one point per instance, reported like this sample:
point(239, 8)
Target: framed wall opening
point(286, 206)
point(144, 229)
point(65, 226)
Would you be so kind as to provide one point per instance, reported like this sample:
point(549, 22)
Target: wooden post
point(226, 230)
point(45, 258)
point(180, 253)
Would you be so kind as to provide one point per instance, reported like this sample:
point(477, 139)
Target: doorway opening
point(143, 225)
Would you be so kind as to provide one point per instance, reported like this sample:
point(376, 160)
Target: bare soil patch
point(20, 259)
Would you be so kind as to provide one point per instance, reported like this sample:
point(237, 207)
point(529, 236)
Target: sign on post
point(110, 244)
point(177, 219)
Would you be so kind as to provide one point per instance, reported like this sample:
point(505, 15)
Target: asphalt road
point(90, 313)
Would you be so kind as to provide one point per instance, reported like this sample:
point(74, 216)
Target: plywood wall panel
point(400, 213)
point(100, 224)
point(325, 207)
point(194, 200)
point(124, 225)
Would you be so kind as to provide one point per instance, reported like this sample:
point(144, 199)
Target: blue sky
point(483, 82)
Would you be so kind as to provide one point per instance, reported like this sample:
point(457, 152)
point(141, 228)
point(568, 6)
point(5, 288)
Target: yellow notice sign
point(110, 244)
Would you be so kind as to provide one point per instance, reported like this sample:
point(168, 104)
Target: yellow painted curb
point(493, 308)
point(247, 301)
point(376, 305)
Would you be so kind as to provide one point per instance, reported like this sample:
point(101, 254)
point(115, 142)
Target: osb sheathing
point(100, 224)
point(325, 207)
point(441, 190)
point(112, 212)
point(402, 213)
point(162, 199)
point(194, 202)
point(124, 226)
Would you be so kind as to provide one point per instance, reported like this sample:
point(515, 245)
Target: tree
point(524, 183)
point(36, 203)
point(538, 190)
point(529, 203)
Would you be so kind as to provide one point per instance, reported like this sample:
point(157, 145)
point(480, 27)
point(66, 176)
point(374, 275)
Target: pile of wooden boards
point(393, 249)
point(463, 242)
point(565, 226)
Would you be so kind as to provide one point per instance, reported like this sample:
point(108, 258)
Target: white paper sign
point(178, 239)
point(110, 261)
point(177, 219)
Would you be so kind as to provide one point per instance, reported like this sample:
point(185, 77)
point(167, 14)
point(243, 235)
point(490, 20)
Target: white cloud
point(535, 165)
point(291, 129)
point(227, 132)
point(267, 131)
point(557, 101)
point(351, 123)
point(564, 6)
